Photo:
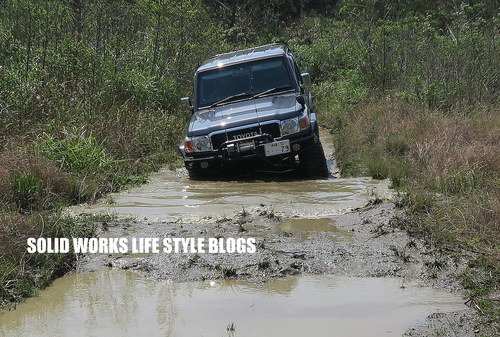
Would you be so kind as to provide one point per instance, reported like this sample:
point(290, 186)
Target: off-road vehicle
point(252, 110)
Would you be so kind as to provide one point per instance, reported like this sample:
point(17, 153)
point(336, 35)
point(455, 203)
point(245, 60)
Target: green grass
point(26, 190)
point(77, 153)
point(22, 274)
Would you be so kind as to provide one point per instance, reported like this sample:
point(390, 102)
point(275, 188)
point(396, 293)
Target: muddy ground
point(356, 241)
point(360, 243)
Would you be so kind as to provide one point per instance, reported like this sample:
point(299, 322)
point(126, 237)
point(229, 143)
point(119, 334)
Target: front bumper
point(233, 153)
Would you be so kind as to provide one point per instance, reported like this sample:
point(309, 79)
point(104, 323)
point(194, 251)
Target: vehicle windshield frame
point(252, 89)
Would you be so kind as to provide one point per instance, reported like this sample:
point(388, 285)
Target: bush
point(30, 183)
point(77, 153)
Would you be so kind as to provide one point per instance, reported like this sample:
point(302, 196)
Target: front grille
point(243, 133)
point(272, 129)
point(218, 139)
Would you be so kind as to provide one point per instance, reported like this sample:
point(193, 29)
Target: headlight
point(304, 122)
point(201, 144)
point(289, 126)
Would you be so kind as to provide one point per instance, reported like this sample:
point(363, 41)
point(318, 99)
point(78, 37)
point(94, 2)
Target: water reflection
point(120, 303)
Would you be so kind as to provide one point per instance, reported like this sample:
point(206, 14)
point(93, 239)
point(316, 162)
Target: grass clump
point(77, 153)
point(23, 274)
point(30, 183)
point(227, 271)
point(26, 190)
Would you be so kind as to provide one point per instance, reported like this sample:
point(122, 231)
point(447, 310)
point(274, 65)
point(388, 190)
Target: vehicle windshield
point(242, 81)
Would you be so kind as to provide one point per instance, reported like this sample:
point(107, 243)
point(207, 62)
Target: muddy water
point(172, 196)
point(120, 303)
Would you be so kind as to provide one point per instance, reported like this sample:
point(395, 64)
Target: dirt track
point(292, 238)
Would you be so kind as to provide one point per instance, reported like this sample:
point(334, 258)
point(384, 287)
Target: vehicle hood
point(277, 107)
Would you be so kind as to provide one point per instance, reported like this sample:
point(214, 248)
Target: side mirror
point(186, 102)
point(306, 80)
point(301, 100)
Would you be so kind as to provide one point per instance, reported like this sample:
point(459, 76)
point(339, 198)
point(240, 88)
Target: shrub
point(26, 189)
point(77, 153)
point(30, 183)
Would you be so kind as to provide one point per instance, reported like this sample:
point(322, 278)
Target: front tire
point(197, 175)
point(313, 162)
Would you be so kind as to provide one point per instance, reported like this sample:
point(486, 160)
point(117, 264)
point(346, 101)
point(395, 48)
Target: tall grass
point(26, 188)
point(448, 166)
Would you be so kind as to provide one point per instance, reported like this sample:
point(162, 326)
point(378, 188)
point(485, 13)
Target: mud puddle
point(170, 195)
point(318, 235)
point(110, 302)
point(173, 197)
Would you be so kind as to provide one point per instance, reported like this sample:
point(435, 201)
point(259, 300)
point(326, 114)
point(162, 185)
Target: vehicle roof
point(249, 54)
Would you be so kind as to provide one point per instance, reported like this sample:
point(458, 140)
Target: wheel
point(193, 175)
point(313, 162)
point(197, 175)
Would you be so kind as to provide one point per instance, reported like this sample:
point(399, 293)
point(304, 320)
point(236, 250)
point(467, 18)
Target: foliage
point(95, 87)
point(77, 153)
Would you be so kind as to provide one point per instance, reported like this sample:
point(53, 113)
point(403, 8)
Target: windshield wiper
point(272, 90)
point(230, 98)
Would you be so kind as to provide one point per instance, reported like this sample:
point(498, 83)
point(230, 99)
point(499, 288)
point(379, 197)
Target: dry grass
point(454, 145)
point(16, 163)
point(14, 230)
point(448, 165)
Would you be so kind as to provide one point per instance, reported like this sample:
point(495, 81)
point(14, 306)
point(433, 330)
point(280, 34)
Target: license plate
point(276, 148)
